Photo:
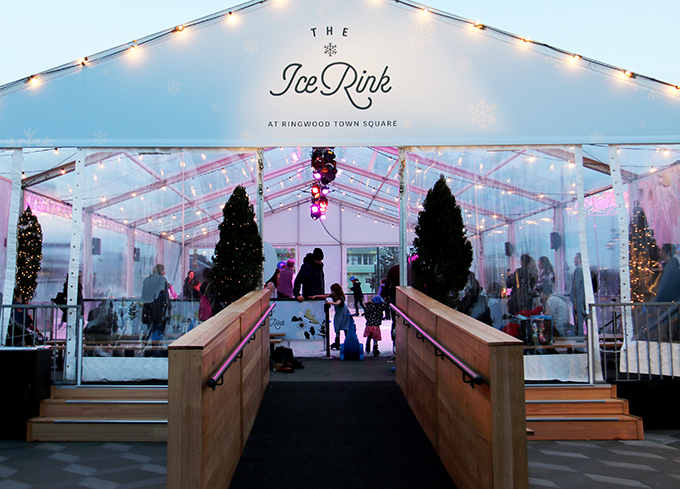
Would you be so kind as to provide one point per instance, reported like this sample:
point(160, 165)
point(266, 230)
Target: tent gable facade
point(346, 73)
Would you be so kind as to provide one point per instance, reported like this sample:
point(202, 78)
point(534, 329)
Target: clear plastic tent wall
point(143, 207)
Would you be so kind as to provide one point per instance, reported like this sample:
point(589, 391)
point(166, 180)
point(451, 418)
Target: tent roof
point(170, 125)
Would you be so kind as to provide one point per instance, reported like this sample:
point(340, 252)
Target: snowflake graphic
point(173, 87)
point(247, 135)
point(106, 71)
point(597, 137)
point(642, 124)
point(330, 49)
point(483, 113)
point(463, 64)
point(100, 137)
point(552, 61)
point(320, 9)
point(653, 94)
point(251, 46)
point(422, 34)
point(29, 141)
point(215, 107)
point(407, 123)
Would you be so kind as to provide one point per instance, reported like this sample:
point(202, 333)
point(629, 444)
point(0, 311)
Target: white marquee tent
point(136, 148)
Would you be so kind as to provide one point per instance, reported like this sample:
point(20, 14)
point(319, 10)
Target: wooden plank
point(185, 375)
point(131, 393)
point(45, 429)
point(122, 410)
point(607, 406)
point(510, 462)
point(626, 428)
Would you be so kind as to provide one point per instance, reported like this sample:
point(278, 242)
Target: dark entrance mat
point(311, 435)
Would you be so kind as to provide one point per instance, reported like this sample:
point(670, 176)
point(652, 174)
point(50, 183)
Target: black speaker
point(96, 246)
point(509, 248)
point(555, 241)
point(137, 254)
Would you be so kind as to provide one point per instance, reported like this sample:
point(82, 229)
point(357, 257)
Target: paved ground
point(650, 463)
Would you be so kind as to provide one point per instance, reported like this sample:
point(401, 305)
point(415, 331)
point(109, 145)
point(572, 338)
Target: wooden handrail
point(475, 378)
point(213, 381)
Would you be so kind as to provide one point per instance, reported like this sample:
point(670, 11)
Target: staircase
point(102, 414)
point(590, 412)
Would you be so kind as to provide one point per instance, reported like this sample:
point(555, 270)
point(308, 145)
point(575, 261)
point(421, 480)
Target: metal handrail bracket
point(216, 379)
point(469, 376)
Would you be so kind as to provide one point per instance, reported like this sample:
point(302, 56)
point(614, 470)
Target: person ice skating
point(374, 316)
point(343, 317)
point(358, 294)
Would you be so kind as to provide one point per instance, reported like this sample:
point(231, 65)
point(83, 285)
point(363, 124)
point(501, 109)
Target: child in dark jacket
point(374, 316)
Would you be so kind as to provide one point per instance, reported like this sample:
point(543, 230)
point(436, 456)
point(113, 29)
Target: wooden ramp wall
point(207, 429)
point(479, 433)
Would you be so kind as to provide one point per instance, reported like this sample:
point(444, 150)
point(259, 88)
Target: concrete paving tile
point(6, 472)
point(533, 482)
point(629, 466)
point(64, 457)
point(617, 480)
point(94, 483)
point(12, 484)
point(116, 446)
point(79, 469)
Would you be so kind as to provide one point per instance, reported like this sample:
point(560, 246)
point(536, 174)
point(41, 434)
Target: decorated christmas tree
point(238, 254)
point(644, 256)
point(444, 252)
point(29, 253)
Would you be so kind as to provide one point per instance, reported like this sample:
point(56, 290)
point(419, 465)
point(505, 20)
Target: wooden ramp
point(590, 412)
point(102, 414)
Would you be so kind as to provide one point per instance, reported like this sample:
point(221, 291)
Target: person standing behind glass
point(156, 302)
point(669, 282)
point(192, 287)
point(578, 296)
point(286, 279)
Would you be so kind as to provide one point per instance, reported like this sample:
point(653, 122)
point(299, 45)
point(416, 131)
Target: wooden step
point(82, 429)
point(615, 427)
point(102, 413)
point(580, 413)
point(104, 408)
point(536, 393)
point(104, 392)
point(566, 407)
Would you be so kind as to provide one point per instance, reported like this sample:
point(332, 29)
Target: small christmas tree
point(238, 254)
point(444, 252)
point(29, 254)
point(644, 256)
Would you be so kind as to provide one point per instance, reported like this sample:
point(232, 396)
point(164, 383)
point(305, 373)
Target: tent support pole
point(260, 200)
point(403, 245)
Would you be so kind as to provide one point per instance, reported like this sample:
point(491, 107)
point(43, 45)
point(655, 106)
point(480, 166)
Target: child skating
point(374, 316)
point(342, 318)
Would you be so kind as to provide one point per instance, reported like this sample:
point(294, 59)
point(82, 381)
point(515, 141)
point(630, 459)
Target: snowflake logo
point(422, 34)
point(653, 94)
point(173, 87)
point(320, 9)
point(642, 124)
point(407, 123)
point(100, 137)
point(29, 141)
point(483, 114)
point(247, 135)
point(215, 107)
point(251, 46)
point(106, 71)
point(552, 61)
point(597, 137)
point(330, 49)
point(463, 64)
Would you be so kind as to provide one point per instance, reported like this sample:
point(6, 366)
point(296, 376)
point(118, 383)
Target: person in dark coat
point(669, 282)
point(358, 295)
point(309, 282)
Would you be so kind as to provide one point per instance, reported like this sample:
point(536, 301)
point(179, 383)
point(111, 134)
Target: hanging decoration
point(324, 170)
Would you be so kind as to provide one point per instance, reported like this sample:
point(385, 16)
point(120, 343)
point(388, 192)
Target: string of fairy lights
point(231, 16)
